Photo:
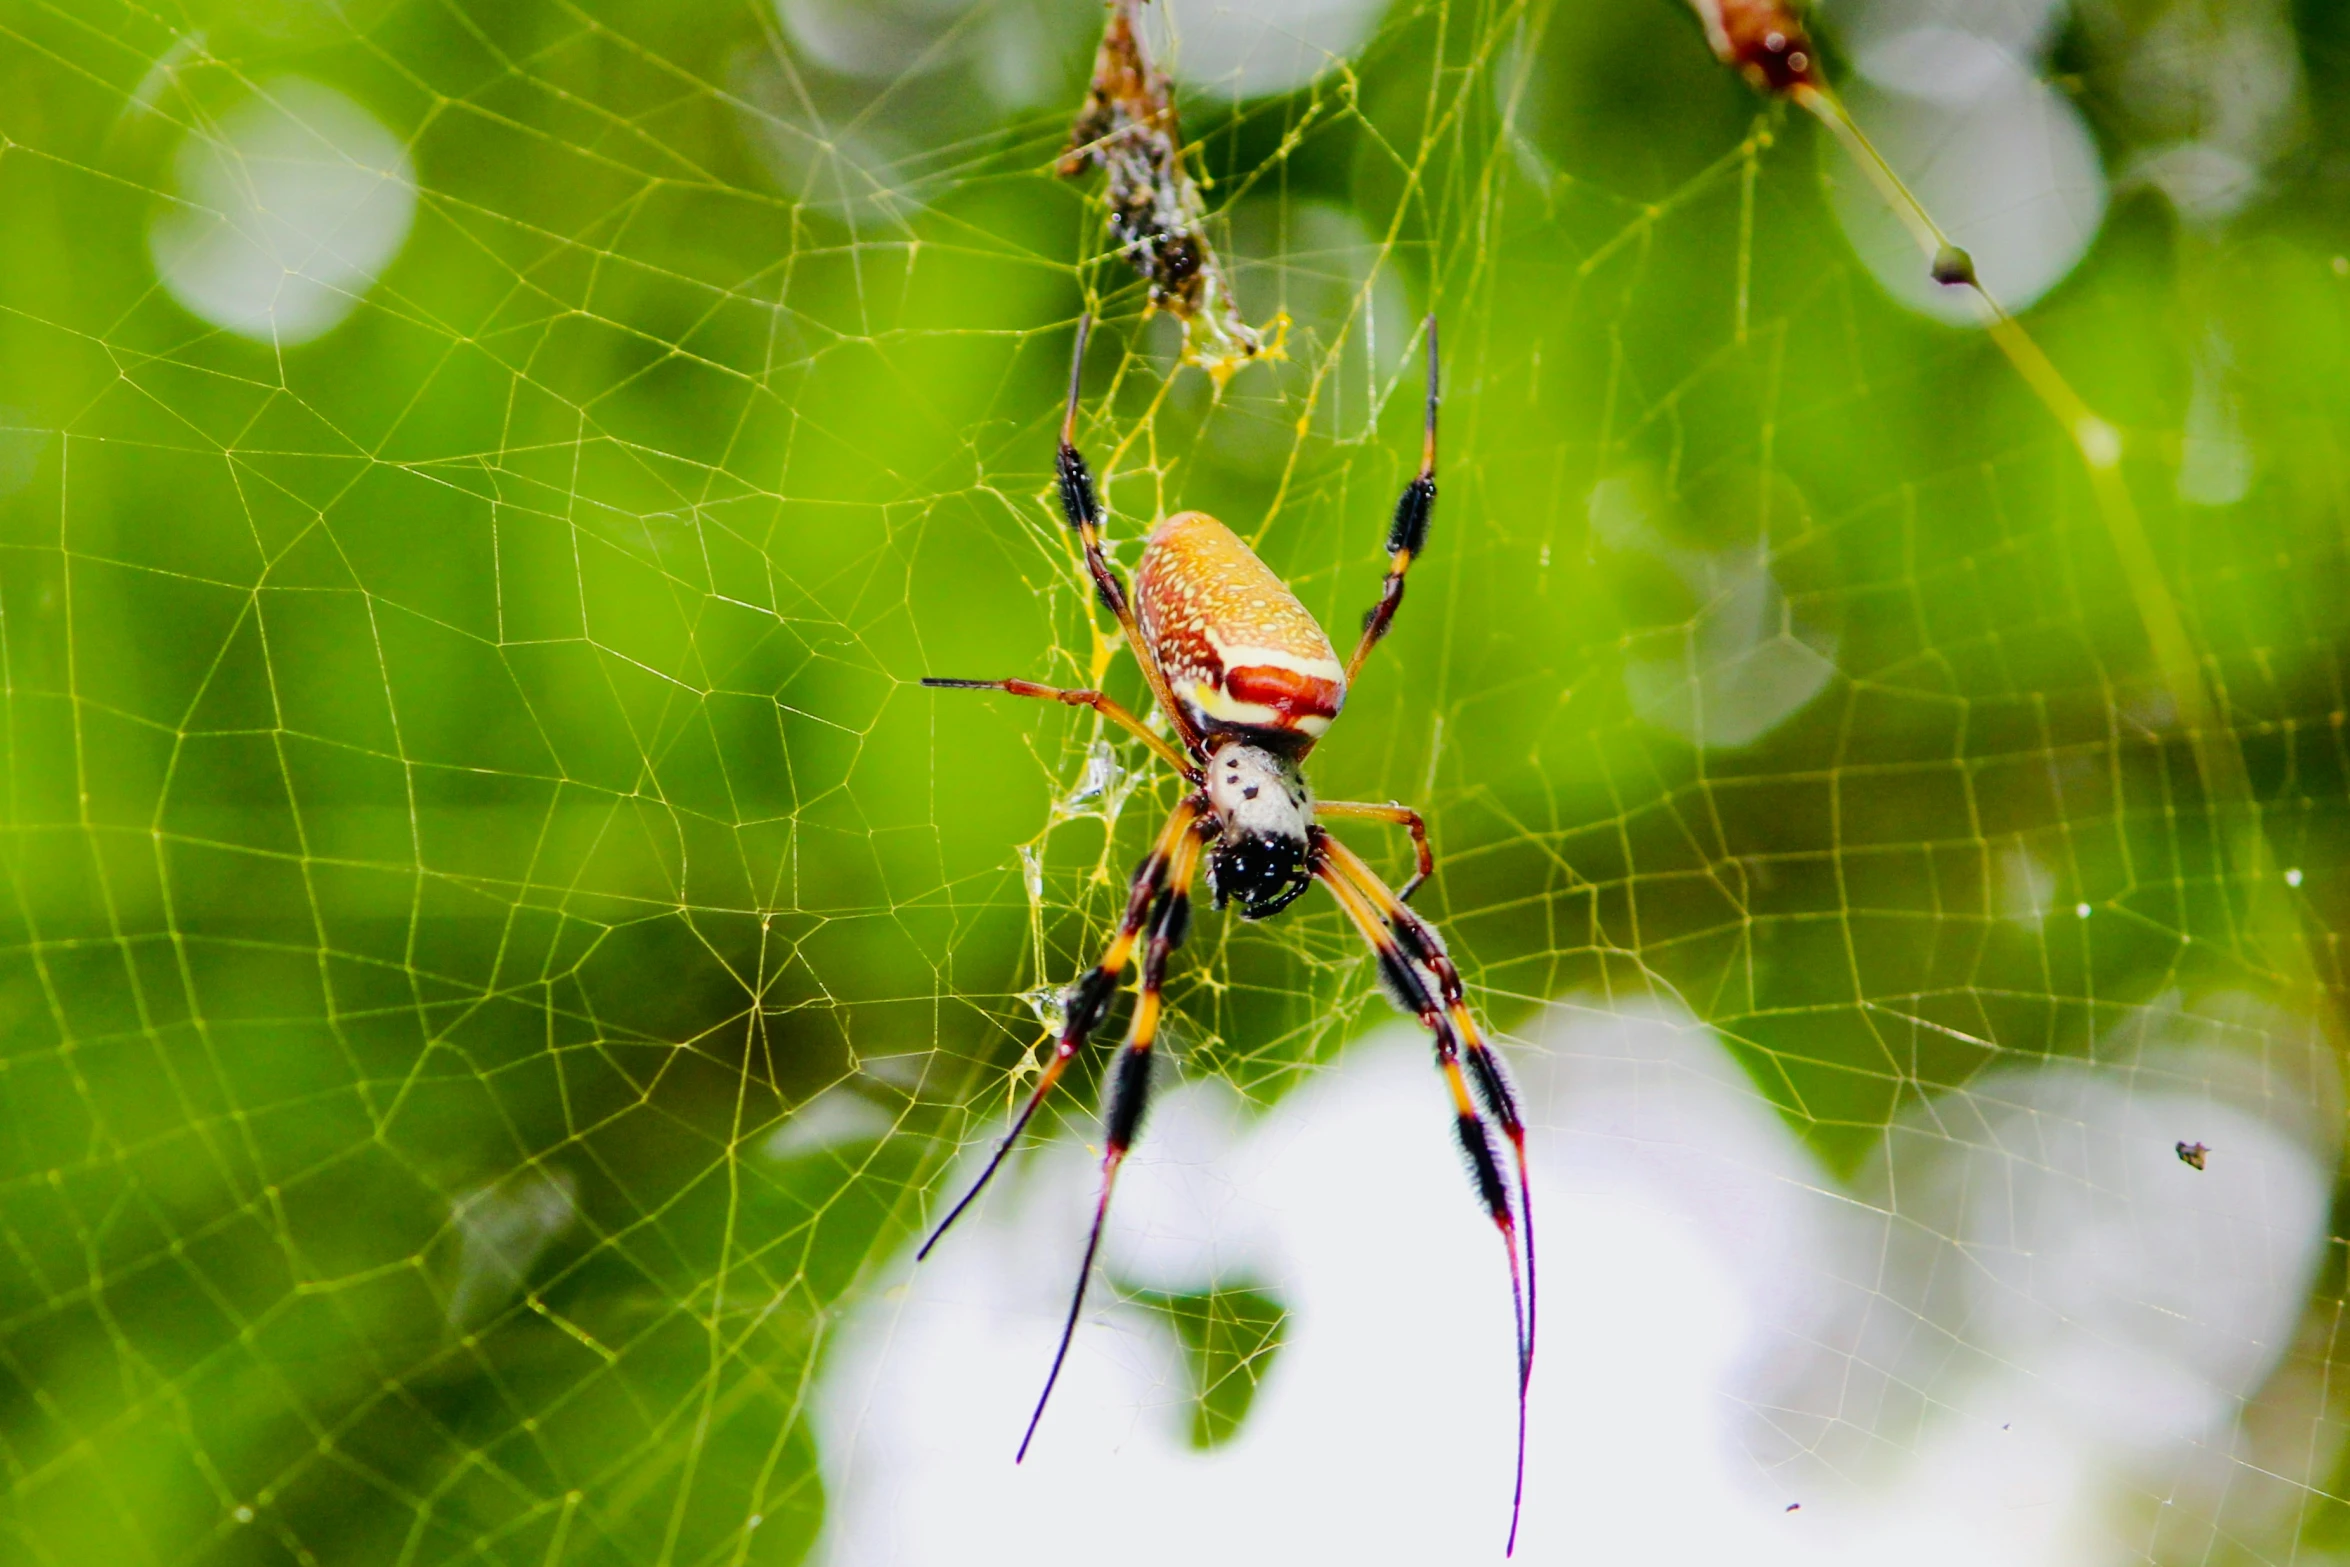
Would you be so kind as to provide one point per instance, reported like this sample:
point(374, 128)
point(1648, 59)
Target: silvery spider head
point(1260, 859)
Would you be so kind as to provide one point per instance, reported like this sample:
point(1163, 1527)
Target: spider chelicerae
point(1249, 682)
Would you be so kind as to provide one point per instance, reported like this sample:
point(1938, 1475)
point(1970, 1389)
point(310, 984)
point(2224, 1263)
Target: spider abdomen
point(1240, 652)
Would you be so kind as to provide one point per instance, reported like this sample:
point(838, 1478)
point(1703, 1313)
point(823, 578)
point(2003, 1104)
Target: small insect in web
point(2192, 1155)
point(1249, 682)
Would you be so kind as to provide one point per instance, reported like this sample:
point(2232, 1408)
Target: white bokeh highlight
point(1009, 44)
point(2028, 1317)
point(2026, 886)
point(2213, 96)
point(1227, 48)
point(2010, 173)
point(835, 1118)
point(1256, 48)
point(2016, 29)
point(1950, 93)
point(1742, 665)
point(23, 446)
point(503, 1229)
point(2046, 1309)
point(285, 212)
point(2215, 455)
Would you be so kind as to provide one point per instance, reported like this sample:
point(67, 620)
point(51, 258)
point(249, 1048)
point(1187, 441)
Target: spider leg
point(1424, 946)
point(1399, 815)
point(1407, 535)
point(1084, 510)
point(1129, 1091)
point(1089, 997)
point(1406, 980)
point(1093, 699)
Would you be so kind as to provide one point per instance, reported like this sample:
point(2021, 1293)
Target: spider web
point(500, 958)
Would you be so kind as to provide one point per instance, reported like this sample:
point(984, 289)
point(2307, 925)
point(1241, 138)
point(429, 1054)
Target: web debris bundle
point(1128, 129)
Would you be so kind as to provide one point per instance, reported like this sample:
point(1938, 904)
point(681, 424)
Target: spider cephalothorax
point(1262, 857)
point(1249, 682)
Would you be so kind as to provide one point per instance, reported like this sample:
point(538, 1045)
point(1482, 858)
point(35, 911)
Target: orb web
point(500, 958)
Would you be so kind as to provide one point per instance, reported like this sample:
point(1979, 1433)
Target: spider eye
point(1263, 872)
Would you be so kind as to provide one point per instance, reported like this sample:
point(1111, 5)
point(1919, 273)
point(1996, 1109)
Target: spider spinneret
point(1249, 681)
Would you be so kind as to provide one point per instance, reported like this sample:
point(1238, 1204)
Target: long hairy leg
point(1129, 1091)
point(1084, 510)
point(1089, 998)
point(1407, 535)
point(1420, 942)
point(1406, 981)
point(1093, 699)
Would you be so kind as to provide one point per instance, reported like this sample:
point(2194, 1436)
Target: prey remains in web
point(1158, 220)
point(1249, 682)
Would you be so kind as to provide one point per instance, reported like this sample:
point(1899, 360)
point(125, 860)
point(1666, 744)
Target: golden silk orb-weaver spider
point(1249, 682)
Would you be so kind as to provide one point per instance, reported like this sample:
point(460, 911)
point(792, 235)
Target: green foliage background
point(481, 745)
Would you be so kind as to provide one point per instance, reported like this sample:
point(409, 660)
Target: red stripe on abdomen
point(1286, 691)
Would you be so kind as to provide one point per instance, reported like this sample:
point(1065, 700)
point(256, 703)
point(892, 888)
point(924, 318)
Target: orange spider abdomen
point(1240, 652)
